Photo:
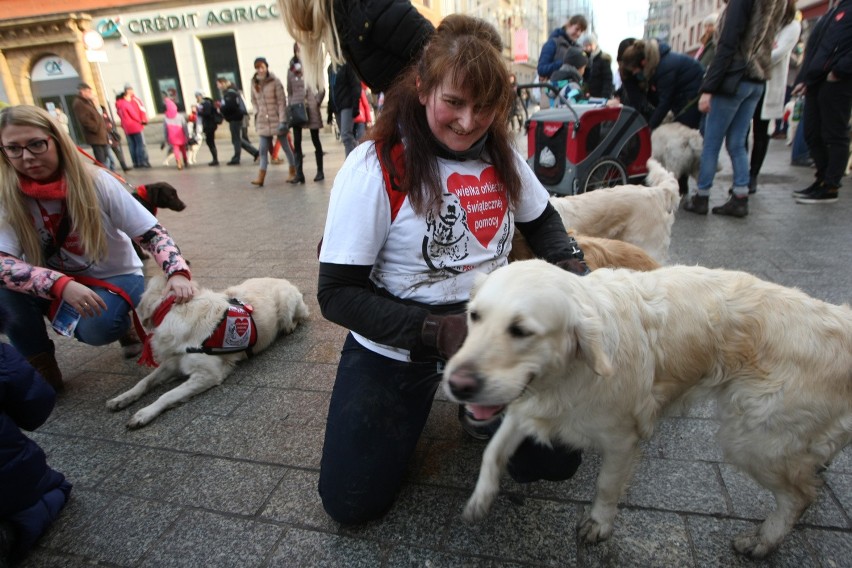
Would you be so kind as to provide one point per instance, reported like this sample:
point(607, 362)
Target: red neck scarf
point(56, 189)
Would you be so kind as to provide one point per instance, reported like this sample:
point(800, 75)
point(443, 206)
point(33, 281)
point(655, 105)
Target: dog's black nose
point(465, 383)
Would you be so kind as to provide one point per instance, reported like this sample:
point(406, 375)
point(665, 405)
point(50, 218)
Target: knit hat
point(199, 94)
point(575, 57)
point(261, 60)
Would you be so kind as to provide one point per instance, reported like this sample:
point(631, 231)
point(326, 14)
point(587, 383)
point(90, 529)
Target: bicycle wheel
point(606, 172)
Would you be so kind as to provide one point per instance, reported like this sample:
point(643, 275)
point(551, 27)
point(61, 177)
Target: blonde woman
point(379, 38)
point(62, 219)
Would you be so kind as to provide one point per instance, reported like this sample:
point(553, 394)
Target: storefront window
point(220, 56)
point(163, 74)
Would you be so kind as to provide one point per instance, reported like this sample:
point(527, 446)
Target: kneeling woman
point(59, 219)
point(415, 213)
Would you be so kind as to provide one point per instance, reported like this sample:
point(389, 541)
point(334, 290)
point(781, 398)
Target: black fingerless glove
point(444, 333)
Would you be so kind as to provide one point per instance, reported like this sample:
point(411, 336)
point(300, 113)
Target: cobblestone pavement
point(229, 479)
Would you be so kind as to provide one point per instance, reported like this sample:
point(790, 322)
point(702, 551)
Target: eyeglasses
point(35, 147)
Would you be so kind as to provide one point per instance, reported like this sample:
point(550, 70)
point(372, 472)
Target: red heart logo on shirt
point(483, 200)
point(241, 325)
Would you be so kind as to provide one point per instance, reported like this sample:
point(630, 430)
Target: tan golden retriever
point(641, 215)
point(594, 361)
point(598, 253)
point(277, 307)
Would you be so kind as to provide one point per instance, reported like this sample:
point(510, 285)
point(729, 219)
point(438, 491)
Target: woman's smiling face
point(454, 119)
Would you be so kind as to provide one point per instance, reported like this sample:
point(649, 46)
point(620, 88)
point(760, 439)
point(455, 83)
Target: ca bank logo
point(53, 67)
point(109, 29)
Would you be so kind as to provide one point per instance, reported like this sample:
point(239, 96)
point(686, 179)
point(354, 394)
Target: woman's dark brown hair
point(467, 51)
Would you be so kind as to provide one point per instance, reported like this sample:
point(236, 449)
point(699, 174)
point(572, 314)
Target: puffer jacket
point(92, 121)
point(744, 35)
point(26, 401)
point(298, 93)
point(598, 75)
point(553, 51)
point(380, 38)
point(829, 47)
point(270, 104)
point(673, 84)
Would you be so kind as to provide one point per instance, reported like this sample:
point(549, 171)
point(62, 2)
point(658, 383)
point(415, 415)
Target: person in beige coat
point(312, 97)
point(270, 111)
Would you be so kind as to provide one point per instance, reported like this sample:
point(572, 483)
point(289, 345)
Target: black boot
point(696, 204)
point(734, 207)
point(320, 175)
point(300, 176)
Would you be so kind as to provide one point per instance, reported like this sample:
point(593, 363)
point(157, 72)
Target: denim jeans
point(136, 145)
point(728, 121)
point(27, 329)
point(377, 412)
point(264, 147)
point(347, 132)
point(799, 152)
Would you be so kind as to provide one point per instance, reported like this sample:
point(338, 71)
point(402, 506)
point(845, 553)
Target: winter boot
point(131, 345)
point(697, 204)
point(320, 175)
point(300, 176)
point(261, 177)
point(45, 363)
point(292, 174)
point(734, 207)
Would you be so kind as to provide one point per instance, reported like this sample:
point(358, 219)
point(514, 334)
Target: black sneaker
point(734, 207)
point(808, 190)
point(696, 204)
point(823, 194)
point(214, 163)
point(234, 162)
point(480, 429)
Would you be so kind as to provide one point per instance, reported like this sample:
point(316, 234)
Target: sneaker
point(214, 163)
point(234, 162)
point(482, 428)
point(823, 194)
point(696, 204)
point(808, 190)
point(734, 207)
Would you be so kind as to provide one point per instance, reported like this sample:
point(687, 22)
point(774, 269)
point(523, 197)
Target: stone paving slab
point(229, 479)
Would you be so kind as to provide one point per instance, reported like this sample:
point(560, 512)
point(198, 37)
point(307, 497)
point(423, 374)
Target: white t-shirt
point(431, 259)
point(121, 215)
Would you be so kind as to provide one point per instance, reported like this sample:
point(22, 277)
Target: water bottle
point(797, 108)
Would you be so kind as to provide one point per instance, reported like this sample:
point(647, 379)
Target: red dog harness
point(235, 332)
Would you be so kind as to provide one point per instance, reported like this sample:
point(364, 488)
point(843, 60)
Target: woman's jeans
point(28, 330)
point(377, 412)
point(264, 147)
point(136, 145)
point(728, 121)
point(347, 131)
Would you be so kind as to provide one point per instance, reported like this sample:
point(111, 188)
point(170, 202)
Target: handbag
point(297, 115)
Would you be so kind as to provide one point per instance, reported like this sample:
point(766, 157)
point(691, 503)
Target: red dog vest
point(236, 332)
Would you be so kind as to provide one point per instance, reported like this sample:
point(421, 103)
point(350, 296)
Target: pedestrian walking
point(233, 109)
point(270, 113)
point(311, 97)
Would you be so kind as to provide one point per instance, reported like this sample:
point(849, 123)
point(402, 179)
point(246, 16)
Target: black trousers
point(210, 140)
point(828, 106)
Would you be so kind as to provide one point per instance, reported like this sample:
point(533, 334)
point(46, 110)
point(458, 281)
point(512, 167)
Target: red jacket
point(365, 114)
point(133, 118)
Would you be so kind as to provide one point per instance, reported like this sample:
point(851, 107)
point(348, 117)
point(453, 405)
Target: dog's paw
point(750, 544)
point(593, 531)
point(118, 403)
point(475, 510)
point(141, 418)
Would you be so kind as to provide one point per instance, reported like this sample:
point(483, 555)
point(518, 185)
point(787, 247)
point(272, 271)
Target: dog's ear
point(153, 190)
point(590, 342)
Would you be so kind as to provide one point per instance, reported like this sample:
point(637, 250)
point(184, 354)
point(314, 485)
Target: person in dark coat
point(598, 76)
point(825, 79)
point(672, 81)
point(553, 50)
point(632, 91)
point(378, 38)
point(90, 118)
point(210, 119)
point(31, 493)
point(345, 88)
point(233, 109)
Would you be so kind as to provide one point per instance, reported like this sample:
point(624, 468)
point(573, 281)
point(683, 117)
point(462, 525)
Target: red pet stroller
point(579, 147)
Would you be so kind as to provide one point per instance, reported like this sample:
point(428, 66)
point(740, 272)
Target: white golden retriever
point(678, 148)
point(594, 361)
point(641, 215)
point(277, 307)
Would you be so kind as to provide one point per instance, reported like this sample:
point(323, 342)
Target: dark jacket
point(829, 46)
point(744, 36)
point(26, 401)
point(673, 86)
point(553, 51)
point(598, 76)
point(92, 121)
point(345, 88)
point(230, 108)
point(207, 110)
point(380, 38)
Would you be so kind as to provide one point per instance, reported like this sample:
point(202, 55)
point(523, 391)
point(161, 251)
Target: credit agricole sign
point(196, 20)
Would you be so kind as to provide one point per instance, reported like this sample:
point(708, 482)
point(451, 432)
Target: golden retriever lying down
point(594, 361)
point(277, 307)
point(598, 253)
point(641, 215)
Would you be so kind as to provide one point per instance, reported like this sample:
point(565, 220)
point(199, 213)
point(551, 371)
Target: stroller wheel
point(606, 172)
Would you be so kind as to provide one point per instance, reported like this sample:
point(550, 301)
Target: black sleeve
point(738, 13)
point(548, 238)
point(348, 298)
